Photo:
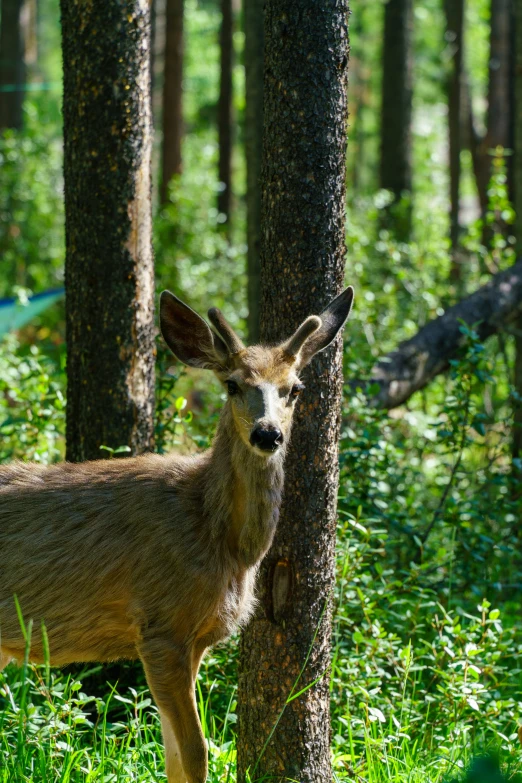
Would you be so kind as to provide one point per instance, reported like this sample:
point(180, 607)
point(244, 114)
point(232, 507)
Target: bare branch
point(417, 361)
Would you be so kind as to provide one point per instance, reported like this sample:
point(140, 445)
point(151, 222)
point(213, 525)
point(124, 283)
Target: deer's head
point(262, 382)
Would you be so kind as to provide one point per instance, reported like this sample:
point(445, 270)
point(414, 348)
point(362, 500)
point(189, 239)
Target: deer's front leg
point(169, 675)
point(173, 764)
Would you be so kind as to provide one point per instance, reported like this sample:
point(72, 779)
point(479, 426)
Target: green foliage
point(193, 256)
point(52, 730)
point(487, 769)
point(31, 207)
point(32, 404)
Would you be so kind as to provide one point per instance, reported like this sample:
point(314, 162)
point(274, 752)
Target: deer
point(155, 556)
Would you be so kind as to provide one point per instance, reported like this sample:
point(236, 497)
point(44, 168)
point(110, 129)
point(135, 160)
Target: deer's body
point(135, 546)
point(155, 557)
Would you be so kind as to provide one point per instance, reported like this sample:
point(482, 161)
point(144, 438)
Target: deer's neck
point(247, 489)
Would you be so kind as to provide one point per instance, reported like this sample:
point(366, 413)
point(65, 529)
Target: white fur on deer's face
point(263, 387)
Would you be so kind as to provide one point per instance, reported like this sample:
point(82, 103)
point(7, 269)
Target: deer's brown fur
point(155, 556)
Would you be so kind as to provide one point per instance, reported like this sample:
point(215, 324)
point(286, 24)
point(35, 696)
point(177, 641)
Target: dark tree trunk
point(499, 108)
point(517, 124)
point(454, 10)
point(302, 268)
point(253, 24)
point(226, 42)
point(396, 112)
point(172, 95)
point(109, 268)
point(517, 189)
point(498, 121)
point(12, 64)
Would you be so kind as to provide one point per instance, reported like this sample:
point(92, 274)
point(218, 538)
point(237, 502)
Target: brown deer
point(156, 556)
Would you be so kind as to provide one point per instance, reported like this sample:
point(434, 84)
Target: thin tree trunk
point(454, 35)
point(498, 121)
point(499, 108)
point(12, 64)
point(478, 147)
point(172, 96)
point(109, 267)
point(226, 42)
point(30, 31)
point(253, 24)
point(396, 112)
point(517, 189)
point(302, 268)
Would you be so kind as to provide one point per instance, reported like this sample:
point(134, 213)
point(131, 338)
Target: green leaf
point(180, 403)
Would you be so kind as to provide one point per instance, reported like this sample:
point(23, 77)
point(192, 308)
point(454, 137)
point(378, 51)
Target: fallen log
point(415, 362)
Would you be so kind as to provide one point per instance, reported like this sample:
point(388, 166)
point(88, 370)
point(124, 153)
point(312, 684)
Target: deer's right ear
point(188, 336)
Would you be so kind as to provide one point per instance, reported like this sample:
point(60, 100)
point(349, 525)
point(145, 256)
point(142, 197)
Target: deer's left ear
point(332, 321)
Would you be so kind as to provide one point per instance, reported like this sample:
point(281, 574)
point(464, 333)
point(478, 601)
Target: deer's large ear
point(188, 336)
point(332, 321)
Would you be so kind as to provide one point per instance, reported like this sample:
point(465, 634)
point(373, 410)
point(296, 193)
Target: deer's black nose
point(266, 440)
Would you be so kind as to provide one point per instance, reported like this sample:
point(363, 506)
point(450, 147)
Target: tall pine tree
point(12, 64)
point(302, 269)
point(109, 267)
point(396, 113)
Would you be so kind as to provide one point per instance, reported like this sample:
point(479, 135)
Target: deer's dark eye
point(297, 388)
point(232, 388)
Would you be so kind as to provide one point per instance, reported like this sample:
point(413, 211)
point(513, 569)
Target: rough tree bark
point(109, 268)
point(253, 56)
point(454, 10)
point(172, 96)
point(226, 42)
point(12, 64)
point(416, 362)
point(396, 112)
point(302, 268)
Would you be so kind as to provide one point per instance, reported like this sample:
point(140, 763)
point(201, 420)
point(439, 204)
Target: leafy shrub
point(32, 403)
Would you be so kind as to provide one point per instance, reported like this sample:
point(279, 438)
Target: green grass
point(400, 712)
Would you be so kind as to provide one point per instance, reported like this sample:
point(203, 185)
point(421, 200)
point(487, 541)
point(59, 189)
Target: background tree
point(517, 188)
point(153, 40)
point(109, 266)
point(302, 268)
point(396, 112)
point(253, 56)
point(12, 64)
point(498, 118)
point(454, 10)
point(172, 95)
point(225, 108)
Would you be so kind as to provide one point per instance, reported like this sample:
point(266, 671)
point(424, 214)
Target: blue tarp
point(14, 315)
